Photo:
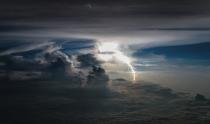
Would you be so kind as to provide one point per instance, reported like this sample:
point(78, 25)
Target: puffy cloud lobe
point(88, 60)
point(97, 77)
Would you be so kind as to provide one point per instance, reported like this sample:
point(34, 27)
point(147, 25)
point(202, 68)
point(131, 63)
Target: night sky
point(105, 62)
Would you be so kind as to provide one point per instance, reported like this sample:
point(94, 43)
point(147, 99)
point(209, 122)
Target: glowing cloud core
point(109, 51)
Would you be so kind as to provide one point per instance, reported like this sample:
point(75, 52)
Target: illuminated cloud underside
point(109, 51)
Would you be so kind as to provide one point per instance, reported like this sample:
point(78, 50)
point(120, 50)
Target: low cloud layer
point(120, 102)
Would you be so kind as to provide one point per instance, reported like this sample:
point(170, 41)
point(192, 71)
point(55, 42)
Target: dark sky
point(86, 11)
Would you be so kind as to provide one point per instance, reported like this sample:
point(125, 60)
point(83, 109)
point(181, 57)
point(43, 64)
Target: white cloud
point(24, 48)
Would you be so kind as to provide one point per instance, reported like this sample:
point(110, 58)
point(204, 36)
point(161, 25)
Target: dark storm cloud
point(58, 59)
